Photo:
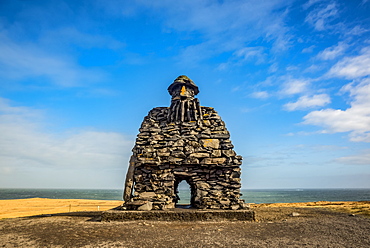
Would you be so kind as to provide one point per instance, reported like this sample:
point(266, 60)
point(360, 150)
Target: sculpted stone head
point(183, 88)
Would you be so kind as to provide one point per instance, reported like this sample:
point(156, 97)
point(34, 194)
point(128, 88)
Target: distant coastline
point(249, 195)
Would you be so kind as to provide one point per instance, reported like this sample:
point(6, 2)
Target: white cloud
point(329, 148)
point(251, 53)
point(17, 114)
point(292, 68)
point(352, 67)
point(310, 3)
point(212, 17)
point(357, 30)
point(260, 94)
point(362, 158)
point(332, 52)
point(26, 144)
point(223, 26)
point(70, 35)
point(273, 68)
point(305, 102)
point(313, 68)
point(293, 86)
point(20, 61)
point(321, 16)
point(355, 119)
point(303, 133)
point(308, 49)
point(254, 55)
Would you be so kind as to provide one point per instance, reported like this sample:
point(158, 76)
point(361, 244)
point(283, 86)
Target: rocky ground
point(276, 226)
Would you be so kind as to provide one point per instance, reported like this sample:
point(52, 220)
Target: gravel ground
point(275, 227)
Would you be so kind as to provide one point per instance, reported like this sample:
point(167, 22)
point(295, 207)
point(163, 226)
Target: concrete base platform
point(179, 215)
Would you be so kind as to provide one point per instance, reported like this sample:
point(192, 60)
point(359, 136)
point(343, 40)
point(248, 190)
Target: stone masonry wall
point(199, 152)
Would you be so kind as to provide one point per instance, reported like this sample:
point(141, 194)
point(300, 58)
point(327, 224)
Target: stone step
point(179, 214)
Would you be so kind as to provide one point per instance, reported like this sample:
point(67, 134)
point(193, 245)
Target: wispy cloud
point(25, 60)
point(67, 36)
point(352, 67)
point(260, 94)
point(333, 52)
point(26, 143)
point(355, 119)
point(251, 53)
point(273, 68)
point(321, 16)
point(292, 86)
point(306, 102)
point(356, 30)
point(362, 158)
point(309, 3)
point(313, 68)
point(223, 26)
point(308, 49)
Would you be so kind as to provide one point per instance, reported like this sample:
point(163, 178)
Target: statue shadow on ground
point(95, 216)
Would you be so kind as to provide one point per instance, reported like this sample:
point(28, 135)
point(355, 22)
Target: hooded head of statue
point(183, 88)
point(184, 107)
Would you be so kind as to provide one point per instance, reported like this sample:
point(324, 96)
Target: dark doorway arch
point(190, 182)
point(184, 193)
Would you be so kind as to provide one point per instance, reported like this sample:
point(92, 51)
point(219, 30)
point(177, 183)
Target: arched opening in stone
point(185, 192)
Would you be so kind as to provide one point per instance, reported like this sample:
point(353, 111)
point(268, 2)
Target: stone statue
point(184, 107)
point(183, 142)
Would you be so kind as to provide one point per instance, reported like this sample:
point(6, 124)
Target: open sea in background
point(249, 195)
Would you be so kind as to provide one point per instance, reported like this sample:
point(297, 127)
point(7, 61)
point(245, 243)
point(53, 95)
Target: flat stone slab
point(179, 215)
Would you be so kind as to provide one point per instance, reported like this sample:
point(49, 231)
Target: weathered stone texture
point(175, 146)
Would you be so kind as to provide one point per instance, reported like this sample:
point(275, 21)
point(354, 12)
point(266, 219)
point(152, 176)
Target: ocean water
point(249, 195)
point(92, 194)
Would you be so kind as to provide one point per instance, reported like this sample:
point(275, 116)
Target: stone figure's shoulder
point(158, 112)
point(207, 108)
point(209, 112)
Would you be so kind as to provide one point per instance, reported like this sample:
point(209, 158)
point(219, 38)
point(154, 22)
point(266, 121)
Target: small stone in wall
point(146, 207)
point(212, 143)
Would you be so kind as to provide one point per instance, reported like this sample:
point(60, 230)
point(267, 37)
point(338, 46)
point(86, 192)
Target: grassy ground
point(351, 207)
point(39, 206)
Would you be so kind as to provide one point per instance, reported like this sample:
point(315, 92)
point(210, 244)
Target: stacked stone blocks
point(197, 150)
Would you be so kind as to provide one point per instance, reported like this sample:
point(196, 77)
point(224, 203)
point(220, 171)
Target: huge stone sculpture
point(183, 142)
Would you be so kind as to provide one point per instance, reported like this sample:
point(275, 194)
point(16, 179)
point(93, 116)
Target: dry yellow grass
point(353, 207)
point(38, 206)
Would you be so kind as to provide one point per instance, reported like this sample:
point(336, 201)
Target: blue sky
point(291, 80)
